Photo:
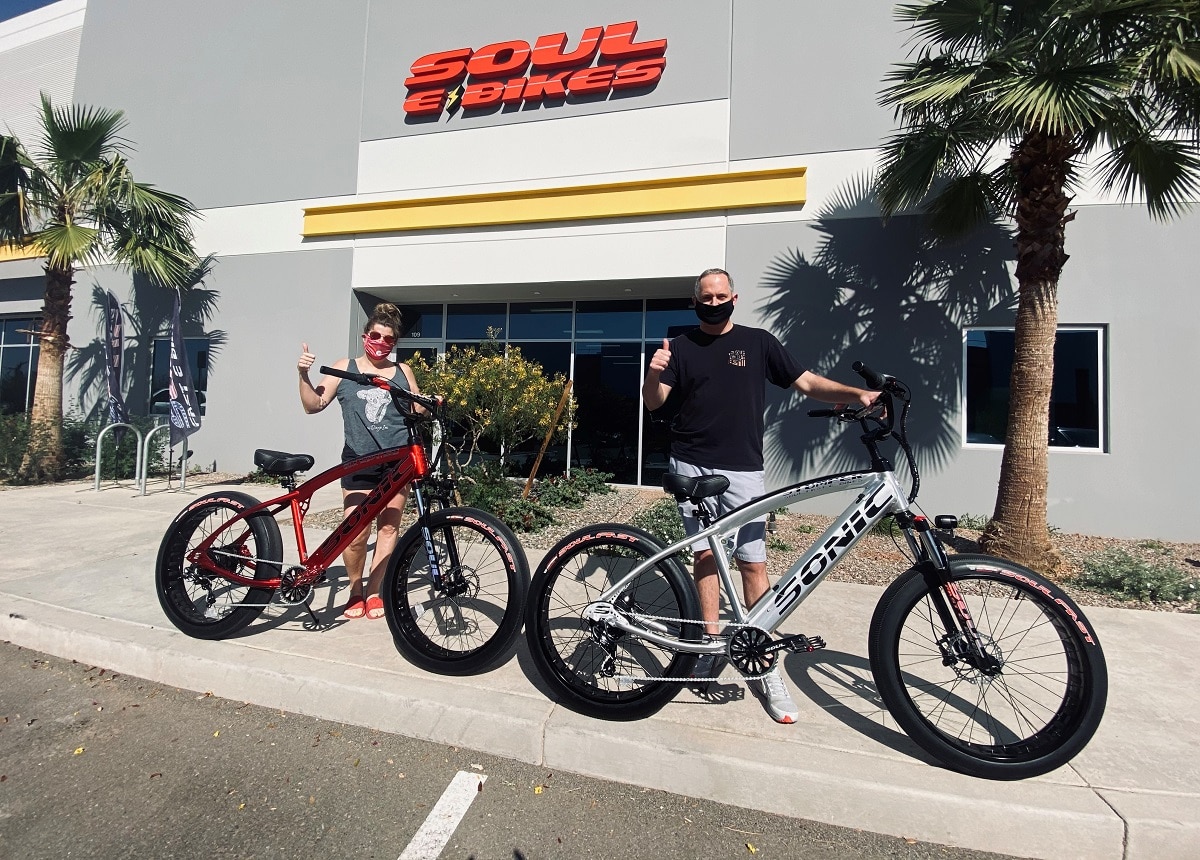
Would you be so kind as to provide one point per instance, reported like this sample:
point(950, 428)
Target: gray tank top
point(371, 420)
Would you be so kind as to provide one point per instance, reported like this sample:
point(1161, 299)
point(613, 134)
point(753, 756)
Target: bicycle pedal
point(801, 644)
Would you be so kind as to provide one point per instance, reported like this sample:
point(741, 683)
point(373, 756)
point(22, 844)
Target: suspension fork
point(947, 600)
point(448, 578)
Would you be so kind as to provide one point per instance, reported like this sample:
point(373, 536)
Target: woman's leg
point(355, 555)
point(387, 533)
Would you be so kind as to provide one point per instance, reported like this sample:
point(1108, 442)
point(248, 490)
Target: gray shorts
point(744, 487)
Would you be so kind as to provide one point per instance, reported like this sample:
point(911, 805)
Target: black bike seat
point(277, 463)
point(686, 489)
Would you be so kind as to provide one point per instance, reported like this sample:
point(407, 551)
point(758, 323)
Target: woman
point(372, 423)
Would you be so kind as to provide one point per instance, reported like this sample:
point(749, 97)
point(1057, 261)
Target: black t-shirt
point(719, 383)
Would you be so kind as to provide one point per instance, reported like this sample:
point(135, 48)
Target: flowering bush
point(507, 399)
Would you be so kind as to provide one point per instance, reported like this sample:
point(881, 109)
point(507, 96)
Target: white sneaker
point(776, 698)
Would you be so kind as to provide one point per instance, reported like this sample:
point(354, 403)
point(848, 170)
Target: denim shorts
point(750, 545)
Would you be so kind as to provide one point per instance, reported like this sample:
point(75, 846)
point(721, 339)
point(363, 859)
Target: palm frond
point(77, 137)
point(68, 244)
point(1165, 172)
point(1060, 101)
point(967, 201)
point(14, 214)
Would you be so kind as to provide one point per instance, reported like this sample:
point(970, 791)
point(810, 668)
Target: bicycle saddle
point(686, 489)
point(278, 464)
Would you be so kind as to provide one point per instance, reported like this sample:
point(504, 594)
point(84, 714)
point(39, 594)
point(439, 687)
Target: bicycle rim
point(469, 616)
point(198, 602)
point(1032, 710)
point(609, 672)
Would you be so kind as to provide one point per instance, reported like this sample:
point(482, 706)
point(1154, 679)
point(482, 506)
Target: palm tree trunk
point(44, 459)
point(1018, 530)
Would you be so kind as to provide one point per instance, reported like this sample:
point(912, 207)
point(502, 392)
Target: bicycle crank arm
point(798, 644)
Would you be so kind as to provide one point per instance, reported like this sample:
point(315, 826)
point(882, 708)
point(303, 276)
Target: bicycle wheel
point(1028, 707)
point(202, 604)
point(595, 668)
point(468, 618)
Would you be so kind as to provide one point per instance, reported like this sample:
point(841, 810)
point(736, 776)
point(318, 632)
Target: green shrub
point(485, 487)
point(1120, 574)
point(571, 491)
point(662, 520)
point(14, 436)
point(974, 522)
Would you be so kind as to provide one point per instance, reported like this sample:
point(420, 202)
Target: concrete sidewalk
point(76, 580)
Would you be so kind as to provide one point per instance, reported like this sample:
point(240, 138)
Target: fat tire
point(488, 616)
point(1035, 715)
point(564, 650)
point(180, 596)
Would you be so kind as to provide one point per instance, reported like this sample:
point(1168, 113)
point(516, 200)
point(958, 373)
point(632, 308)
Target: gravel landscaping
point(878, 558)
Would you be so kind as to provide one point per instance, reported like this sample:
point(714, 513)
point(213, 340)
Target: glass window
point(471, 322)
point(669, 318)
point(1076, 401)
point(197, 356)
point(608, 320)
point(18, 363)
point(608, 396)
point(421, 321)
point(542, 320)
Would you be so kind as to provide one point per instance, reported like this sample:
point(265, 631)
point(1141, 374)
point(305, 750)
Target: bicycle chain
point(688, 680)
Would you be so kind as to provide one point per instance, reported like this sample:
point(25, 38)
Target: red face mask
point(377, 349)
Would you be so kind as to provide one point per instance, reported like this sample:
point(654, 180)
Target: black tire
point(570, 654)
point(468, 632)
point(185, 592)
point(1033, 712)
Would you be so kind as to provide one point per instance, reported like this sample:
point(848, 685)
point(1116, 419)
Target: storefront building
point(559, 173)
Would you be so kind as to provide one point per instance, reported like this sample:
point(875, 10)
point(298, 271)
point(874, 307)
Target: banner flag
point(114, 352)
point(185, 409)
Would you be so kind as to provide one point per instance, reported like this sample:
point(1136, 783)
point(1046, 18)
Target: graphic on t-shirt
point(737, 357)
point(377, 402)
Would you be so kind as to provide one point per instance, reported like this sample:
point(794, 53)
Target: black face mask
point(714, 314)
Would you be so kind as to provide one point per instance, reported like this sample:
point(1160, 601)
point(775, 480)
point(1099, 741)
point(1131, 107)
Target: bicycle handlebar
point(875, 381)
point(891, 390)
point(433, 403)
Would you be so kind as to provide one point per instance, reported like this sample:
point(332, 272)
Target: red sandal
point(374, 606)
point(356, 608)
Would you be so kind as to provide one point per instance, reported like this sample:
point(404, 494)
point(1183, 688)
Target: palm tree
point(74, 199)
point(998, 113)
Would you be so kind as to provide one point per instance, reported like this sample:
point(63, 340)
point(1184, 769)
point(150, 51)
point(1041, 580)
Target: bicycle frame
point(880, 495)
point(409, 464)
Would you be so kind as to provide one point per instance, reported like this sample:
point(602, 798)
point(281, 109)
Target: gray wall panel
point(697, 34)
point(267, 304)
point(229, 102)
point(835, 290)
point(806, 74)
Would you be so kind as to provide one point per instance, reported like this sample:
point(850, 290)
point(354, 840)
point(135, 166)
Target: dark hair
point(386, 314)
point(706, 273)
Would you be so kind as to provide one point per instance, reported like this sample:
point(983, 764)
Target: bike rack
point(138, 453)
point(183, 461)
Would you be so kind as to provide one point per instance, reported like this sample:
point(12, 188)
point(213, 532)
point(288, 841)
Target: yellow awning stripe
point(716, 192)
point(19, 252)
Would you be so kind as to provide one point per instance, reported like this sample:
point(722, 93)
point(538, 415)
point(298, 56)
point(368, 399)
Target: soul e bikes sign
point(510, 73)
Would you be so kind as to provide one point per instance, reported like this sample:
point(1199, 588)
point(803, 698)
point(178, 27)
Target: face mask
point(376, 349)
point(714, 314)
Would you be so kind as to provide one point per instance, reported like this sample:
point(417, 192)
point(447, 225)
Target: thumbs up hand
point(307, 359)
point(661, 358)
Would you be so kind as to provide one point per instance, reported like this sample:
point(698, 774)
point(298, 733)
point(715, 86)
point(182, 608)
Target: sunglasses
point(374, 335)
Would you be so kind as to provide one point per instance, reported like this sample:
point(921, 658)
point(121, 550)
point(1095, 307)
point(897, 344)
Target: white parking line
point(439, 826)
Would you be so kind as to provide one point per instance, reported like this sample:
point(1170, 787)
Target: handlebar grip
point(360, 378)
point(875, 381)
point(822, 413)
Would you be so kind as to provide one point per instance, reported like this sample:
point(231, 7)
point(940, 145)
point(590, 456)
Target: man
point(719, 373)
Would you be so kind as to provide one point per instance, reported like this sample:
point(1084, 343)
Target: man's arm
point(654, 392)
point(817, 386)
